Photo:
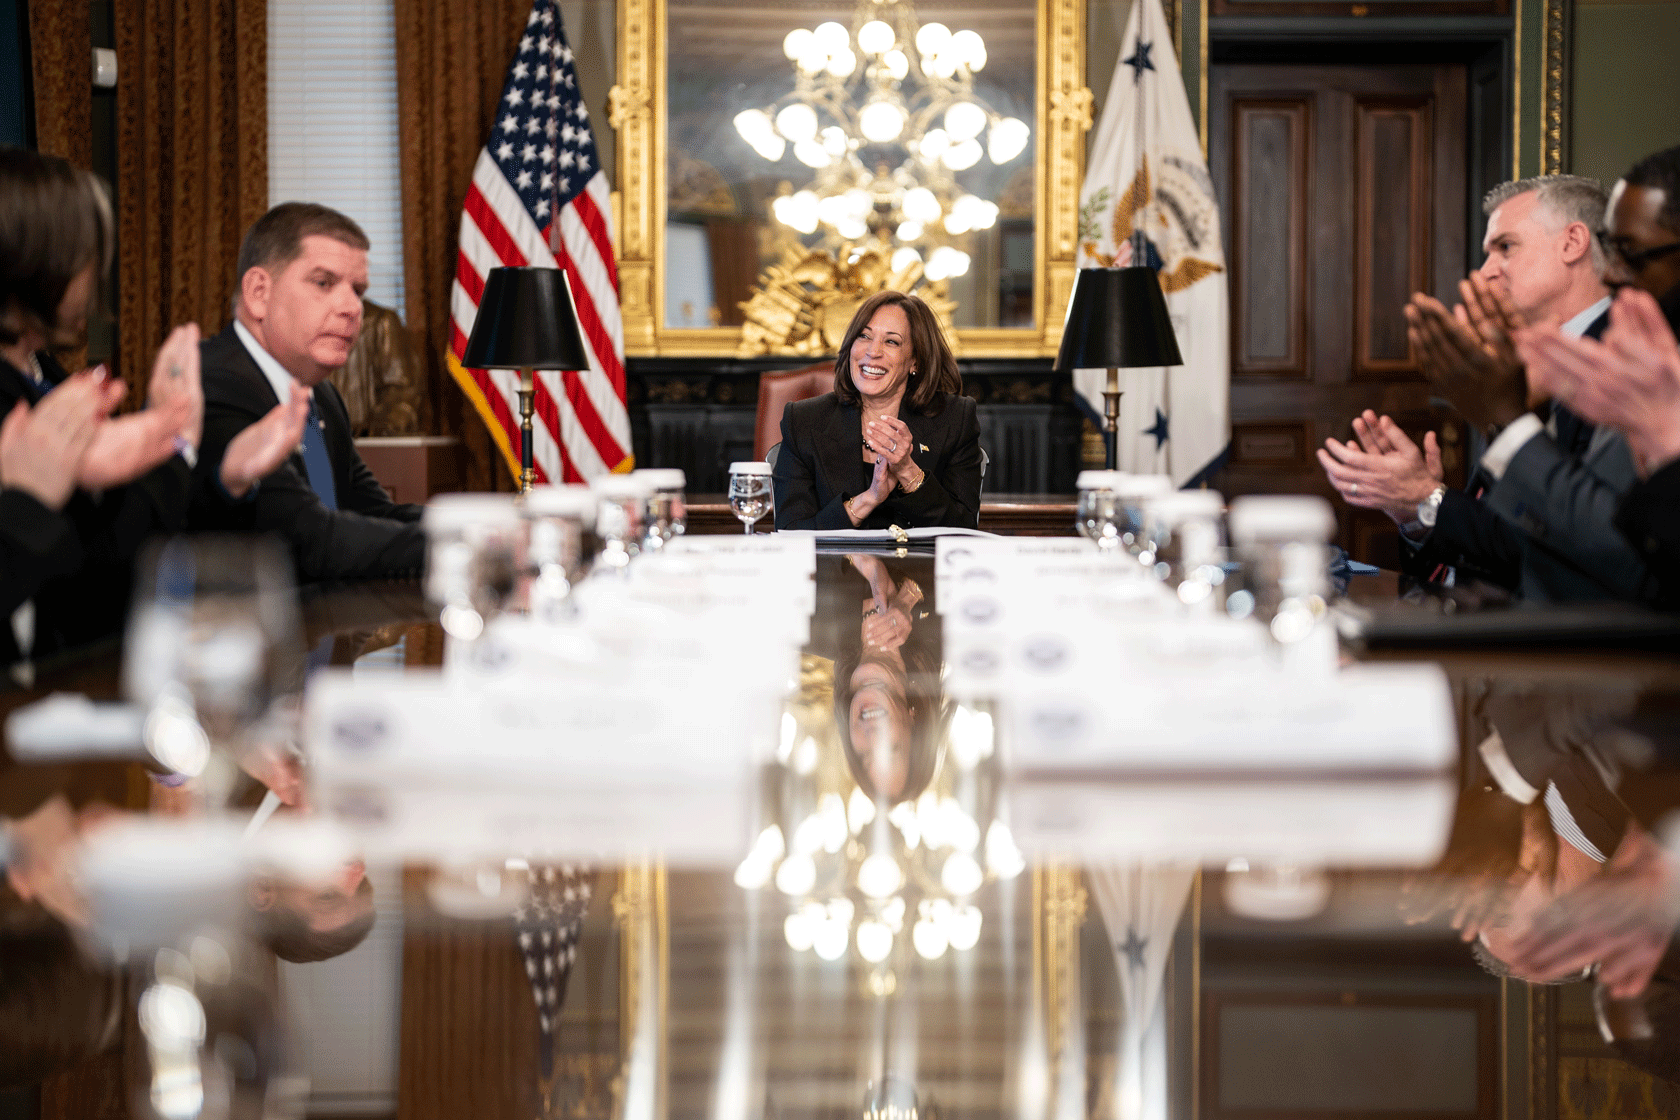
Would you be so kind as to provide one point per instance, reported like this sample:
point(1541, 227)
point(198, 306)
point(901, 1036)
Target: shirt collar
point(1577, 326)
point(273, 370)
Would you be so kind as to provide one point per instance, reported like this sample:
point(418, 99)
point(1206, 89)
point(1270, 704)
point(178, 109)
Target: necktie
point(315, 460)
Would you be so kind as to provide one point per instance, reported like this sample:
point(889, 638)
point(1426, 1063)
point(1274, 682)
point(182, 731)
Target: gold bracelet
point(918, 486)
point(850, 516)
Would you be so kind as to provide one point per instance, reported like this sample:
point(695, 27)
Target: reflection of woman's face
point(73, 309)
point(880, 727)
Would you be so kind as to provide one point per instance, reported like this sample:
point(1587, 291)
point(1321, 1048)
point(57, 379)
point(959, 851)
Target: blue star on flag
point(1159, 431)
point(1139, 61)
point(1132, 948)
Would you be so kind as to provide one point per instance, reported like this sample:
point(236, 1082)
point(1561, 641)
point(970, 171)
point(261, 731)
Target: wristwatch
point(185, 449)
point(1430, 508)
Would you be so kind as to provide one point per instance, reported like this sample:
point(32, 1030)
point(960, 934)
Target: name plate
point(798, 552)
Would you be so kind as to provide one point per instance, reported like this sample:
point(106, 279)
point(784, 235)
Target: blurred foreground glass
point(1184, 549)
point(621, 510)
point(1282, 542)
point(475, 551)
point(214, 651)
point(1099, 515)
point(749, 492)
point(557, 518)
point(667, 508)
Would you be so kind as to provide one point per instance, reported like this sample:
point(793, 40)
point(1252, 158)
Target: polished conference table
point(691, 996)
point(1010, 515)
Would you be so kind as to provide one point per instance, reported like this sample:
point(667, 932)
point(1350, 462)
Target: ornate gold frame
point(637, 109)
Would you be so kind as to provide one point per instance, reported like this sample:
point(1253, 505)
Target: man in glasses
point(1641, 234)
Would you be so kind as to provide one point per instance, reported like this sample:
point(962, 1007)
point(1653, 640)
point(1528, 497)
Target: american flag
point(539, 197)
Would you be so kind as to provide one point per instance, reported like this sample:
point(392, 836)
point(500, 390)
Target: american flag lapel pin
point(922, 446)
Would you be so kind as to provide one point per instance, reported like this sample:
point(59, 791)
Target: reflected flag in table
point(538, 197)
point(1147, 174)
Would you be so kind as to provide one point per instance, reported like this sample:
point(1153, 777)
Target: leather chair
point(777, 390)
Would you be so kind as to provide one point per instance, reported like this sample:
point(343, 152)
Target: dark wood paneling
point(1272, 445)
point(1394, 228)
point(1359, 8)
point(1269, 305)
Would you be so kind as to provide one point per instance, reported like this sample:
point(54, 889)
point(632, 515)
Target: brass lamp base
point(1111, 414)
point(527, 407)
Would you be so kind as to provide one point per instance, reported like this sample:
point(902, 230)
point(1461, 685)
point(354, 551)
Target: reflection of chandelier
point(886, 133)
point(860, 878)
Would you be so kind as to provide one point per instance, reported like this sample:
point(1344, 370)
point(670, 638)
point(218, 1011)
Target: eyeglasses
point(1635, 259)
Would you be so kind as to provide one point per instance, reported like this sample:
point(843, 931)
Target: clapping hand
point(1384, 470)
point(1468, 354)
point(129, 446)
point(42, 449)
point(260, 448)
point(1630, 380)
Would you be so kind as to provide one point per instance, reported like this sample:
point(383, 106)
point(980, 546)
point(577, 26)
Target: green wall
point(1626, 95)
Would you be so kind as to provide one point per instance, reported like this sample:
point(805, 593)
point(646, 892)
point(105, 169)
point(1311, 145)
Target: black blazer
point(368, 536)
point(821, 465)
point(78, 564)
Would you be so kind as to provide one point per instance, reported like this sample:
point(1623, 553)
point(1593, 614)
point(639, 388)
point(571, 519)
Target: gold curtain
point(61, 65)
point(192, 162)
point(452, 58)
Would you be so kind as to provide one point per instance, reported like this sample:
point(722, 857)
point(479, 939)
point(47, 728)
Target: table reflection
point(876, 940)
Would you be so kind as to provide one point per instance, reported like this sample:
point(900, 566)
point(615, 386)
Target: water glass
point(667, 510)
point(1133, 493)
point(1283, 545)
point(620, 514)
point(475, 552)
point(558, 517)
point(1100, 515)
point(749, 492)
point(1183, 548)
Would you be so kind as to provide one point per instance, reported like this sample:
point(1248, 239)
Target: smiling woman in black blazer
point(895, 443)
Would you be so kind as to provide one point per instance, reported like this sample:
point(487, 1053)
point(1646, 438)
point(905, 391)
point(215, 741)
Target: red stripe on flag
point(590, 420)
point(599, 340)
point(491, 226)
point(493, 395)
point(550, 414)
point(471, 282)
point(590, 215)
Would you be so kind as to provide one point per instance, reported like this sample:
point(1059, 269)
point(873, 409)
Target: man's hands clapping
point(1468, 353)
point(1385, 469)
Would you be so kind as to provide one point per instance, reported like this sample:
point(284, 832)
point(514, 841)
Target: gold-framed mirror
point(695, 211)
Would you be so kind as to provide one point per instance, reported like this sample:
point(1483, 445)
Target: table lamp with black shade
point(526, 321)
point(1117, 319)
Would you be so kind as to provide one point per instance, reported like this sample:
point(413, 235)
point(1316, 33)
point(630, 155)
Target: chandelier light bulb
point(964, 928)
point(944, 64)
point(797, 211)
point(969, 48)
point(963, 121)
point(875, 37)
point(958, 221)
point(874, 941)
point(797, 122)
point(920, 205)
point(797, 875)
point(798, 43)
point(946, 262)
point(961, 875)
point(1008, 139)
point(898, 64)
point(834, 141)
point(833, 37)
point(893, 914)
point(932, 38)
point(1002, 856)
point(815, 60)
point(860, 810)
point(812, 154)
point(797, 932)
point(842, 63)
point(879, 876)
point(929, 939)
point(753, 873)
point(934, 142)
point(830, 939)
point(963, 155)
point(905, 255)
point(881, 121)
point(910, 231)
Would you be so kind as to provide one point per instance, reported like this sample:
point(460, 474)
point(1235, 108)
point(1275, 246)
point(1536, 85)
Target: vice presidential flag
point(539, 197)
point(1147, 173)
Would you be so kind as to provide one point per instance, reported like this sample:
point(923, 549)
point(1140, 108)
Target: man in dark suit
point(1544, 262)
point(302, 271)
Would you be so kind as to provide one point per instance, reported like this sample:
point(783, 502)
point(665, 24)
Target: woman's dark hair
point(933, 366)
point(55, 220)
point(57, 1007)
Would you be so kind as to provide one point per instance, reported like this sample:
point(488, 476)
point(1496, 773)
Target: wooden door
point(1342, 191)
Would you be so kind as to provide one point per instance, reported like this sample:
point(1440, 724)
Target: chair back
point(777, 390)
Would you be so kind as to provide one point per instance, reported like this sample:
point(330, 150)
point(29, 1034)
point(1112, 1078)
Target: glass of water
point(667, 512)
point(749, 492)
point(1100, 515)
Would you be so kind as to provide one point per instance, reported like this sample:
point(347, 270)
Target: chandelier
point(886, 115)
point(861, 875)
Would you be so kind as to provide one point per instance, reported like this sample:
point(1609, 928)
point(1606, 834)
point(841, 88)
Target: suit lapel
point(840, 450)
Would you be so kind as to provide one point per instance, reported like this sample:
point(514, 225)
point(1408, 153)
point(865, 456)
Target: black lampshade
point(1117, 318)
point(526, 320)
